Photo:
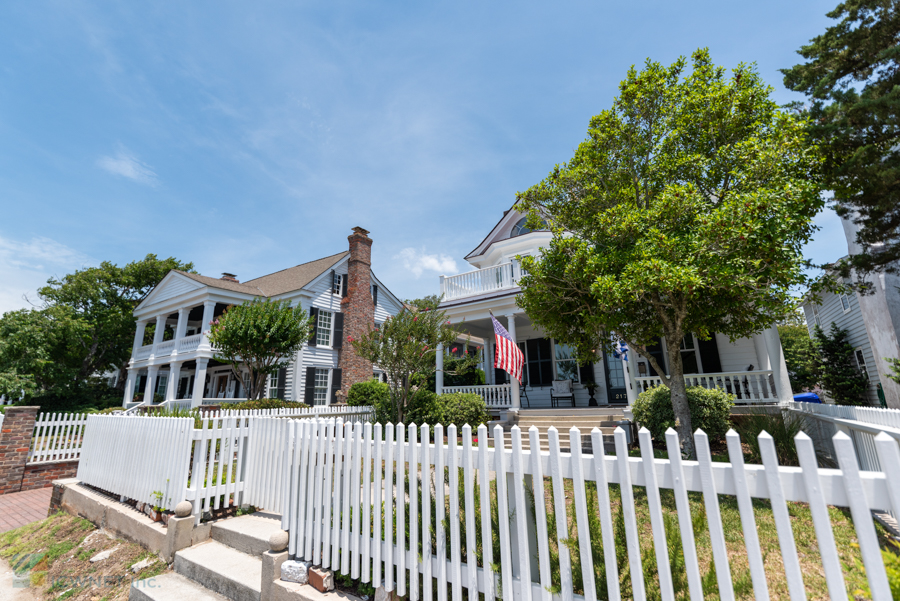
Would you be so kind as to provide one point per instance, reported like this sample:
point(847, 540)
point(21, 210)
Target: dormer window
point(521, 227)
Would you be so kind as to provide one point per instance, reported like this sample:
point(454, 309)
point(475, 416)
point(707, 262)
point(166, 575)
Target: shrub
point(453, 408)
point(370, 393)
point(710, 411)
point(266, 404)
point(93, 394)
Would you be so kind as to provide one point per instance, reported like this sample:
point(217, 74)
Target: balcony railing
point(746, 386)
point(481, 281)
point(189, 343)
point(165, 348)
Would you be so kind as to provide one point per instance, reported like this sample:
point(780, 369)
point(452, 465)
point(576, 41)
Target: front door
point(616, 384)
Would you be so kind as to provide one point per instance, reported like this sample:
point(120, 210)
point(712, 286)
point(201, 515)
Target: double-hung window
point(320, 394)
point(273, 386)
point(566, 365)
point(336, 283)
point(818, 321)
point(689, 355)
point(323, 328)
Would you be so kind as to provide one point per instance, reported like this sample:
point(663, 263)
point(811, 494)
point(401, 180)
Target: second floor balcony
point(496, 278)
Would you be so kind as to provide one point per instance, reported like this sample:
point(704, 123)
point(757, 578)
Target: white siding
point(831, 311)
point(737, 356)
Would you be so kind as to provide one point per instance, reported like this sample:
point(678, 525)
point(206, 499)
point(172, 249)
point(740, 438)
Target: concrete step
point(248, 533)
point(222, 569)
point(170, 587)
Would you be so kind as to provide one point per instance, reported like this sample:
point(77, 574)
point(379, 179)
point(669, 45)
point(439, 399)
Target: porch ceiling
point(482, 328)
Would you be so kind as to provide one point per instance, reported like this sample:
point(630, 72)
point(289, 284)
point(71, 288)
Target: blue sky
point(250, 137)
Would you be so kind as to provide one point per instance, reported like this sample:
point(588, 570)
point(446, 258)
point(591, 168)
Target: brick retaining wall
point(42, 475)
point(15, 440)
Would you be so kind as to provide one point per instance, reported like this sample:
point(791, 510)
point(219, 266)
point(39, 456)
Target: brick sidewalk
point(20, 508)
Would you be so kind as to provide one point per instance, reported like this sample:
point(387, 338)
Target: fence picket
point(520, 513)
point(487, 550)
point(748, 521)
point(559, 508)
point(506, 581)
point(378, 504)
point(606, 523)
point(427, 583)
point(469, 500)
point(631, 532)
point(400, 455)
point(714, 517)
point(657, 524)
point(367, 507)
point(581, 515)
point(355, 488)
point(347, 481)
point(389, 508)
point(455, 553)
point(413, 560)
point(440, 513)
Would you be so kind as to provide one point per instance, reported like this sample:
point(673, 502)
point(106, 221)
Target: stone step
point(170, 587)
point(248, 533)
point(222, 569)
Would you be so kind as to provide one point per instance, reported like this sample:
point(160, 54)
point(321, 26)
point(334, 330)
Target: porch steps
point(228, 566)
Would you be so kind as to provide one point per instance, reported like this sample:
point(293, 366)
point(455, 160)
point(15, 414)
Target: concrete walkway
point(7, 592)
point(20, 508)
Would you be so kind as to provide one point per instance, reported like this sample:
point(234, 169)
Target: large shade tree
point(852, 80)
point(82, 326)
point(684, 210)
point(257, 338)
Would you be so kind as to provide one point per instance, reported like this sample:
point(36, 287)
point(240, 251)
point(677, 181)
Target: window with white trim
point(845, 303)
point(323, 328)
point(320, 394)
point(566, 364)
point(861, 363)
point(337, 283)
point(273, 386)
point(161, 385)
point(815, 309)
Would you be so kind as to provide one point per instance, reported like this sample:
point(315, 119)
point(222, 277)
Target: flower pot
point(155, 515)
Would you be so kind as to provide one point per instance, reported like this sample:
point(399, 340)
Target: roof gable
point(499, 232)
point(175, 283)
point(295, 278)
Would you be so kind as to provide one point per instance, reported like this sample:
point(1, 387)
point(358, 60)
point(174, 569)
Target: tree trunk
point(680, 406)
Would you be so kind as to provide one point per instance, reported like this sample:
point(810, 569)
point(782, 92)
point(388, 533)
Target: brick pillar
point(15, 438)
point(358, 309)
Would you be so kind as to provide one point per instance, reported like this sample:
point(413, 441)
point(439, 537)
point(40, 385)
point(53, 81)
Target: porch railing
point(496, 396)
point(480, 281)
point(746, 386)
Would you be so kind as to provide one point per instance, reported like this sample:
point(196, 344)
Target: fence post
point(15, 440)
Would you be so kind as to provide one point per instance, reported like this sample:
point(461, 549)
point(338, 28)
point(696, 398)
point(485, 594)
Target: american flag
point(508, 356)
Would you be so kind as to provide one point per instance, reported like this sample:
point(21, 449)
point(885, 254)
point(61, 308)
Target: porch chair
point(561, 390)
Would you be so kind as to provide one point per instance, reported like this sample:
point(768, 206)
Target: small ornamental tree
point(800, 354)
point(839, 374)
point(257, 338)
point(685, 210)
point(405, 348)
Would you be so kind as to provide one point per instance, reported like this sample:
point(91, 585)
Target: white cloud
point(417, 262)
point(26, 266)
point(127, 165)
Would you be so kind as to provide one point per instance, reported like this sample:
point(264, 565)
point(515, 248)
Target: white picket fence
point(165, 460)
point(347, 503)
point(57, 437)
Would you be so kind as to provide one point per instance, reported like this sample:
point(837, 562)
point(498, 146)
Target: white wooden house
point(751, 368)
point(177, 362)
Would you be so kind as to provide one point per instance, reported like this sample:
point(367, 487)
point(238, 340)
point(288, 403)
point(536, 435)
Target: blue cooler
point(807, 397)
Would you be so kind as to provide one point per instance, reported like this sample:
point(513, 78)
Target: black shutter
point(500, 376)
point(309, 390)
point(338, 341)
point(282, 375)
point(709, 355)
point(586, 372)
point(189, 393)
point(374, 295)
point(314, 318)
point(336, 376)
point(332, 281)
point(344, 291)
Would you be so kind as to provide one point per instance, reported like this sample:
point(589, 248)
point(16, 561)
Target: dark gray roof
point(280, 282)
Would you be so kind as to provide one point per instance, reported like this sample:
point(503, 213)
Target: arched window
point(521, 227)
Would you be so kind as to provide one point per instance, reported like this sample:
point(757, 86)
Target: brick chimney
point(229, 277)
point(358, 309)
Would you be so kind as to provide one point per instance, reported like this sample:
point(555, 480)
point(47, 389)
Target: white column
point(762, 354)
point(778, 365)
point(150, 388)
point(129, 386)
point(439, 374)
point(199, 383)
point(182, 323)
point(511, 328)
point(160, 328)
point(172, 383)
point(209, 309)
point(139, 335)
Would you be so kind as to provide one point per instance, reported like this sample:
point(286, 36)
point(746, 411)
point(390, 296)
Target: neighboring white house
point(872, 322)
point(744, 367)
point(178, 363)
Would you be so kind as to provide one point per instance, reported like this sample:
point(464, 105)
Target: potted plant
point(156, 511)
point(592, 388)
